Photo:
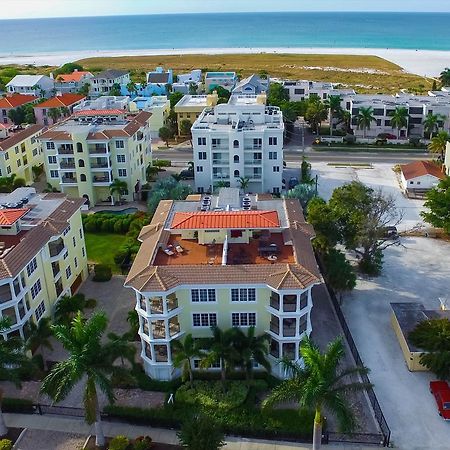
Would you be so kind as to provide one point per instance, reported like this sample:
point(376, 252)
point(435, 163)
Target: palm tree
point(431, 123)
point(345, 117)
point(12, 358)
point(131, 88)
point(243, 182)
point(445, 77)
point(183, 353)
point(118, 187)
point(315, 114)
point(54, 114)
point(251, 349)
point(39, 337)
point(320, 385)
point(333, 103)
point(438, 144)
point(364, 118)
point(221, 184)
point(68, 306)
point(220, 349)
point(90, 362)
point(399, 118)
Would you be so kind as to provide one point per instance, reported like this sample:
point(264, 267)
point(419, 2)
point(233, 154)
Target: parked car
point(293, 181)
point(187, 174)
point(390, 232)
point(441, 392)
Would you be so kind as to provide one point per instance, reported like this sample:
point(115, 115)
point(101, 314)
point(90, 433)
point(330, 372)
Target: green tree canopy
point(183, 353)
point(321, 384)
point(166, 133)
point(222, 93)
point(438, 144)
point(431, 124)
point(316, 113)
point(399, 118)
point(174, 98)
point(321, 217)
point(201, 433)
point(438, 206)
point(445, 77)
point(333, 103)
point(277, 95)
point(166, 189)
point(185, 127)
point(365, 118)
point(67, 68)
point(115, 90)
point(433, 336)
point(339, 272)
point(303, 192)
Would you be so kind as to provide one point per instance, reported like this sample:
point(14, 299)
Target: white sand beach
point(421, 62)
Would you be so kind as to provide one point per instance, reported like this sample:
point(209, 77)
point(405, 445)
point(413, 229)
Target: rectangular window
point(76, 262)
point(6, 156)
point(52, 159)
point(120, 158)
point(16, 150)
point(273, 155)
point(66, 231)
point(74, 241)
point(83, 252)
point(199, 168)
point(19, 162)
point(40, 310)
point(122, 172)
point(243, 295)
point(243, 319)
point(35, 289)
point(68, 272)
point(50, 146)
point(203, 295)
point(120, 144)
point(54, 174)
point(303, 323)
point(8, 170)
point(204, 319)
point(81, 233)
point(276, 168)
point(201, 155)
point(273, 140)
point(31, 267)
point(201, 141)
point(303, 300)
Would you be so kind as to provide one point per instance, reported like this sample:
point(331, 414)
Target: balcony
point(104, 178)
point(67, 164)
point(65, 149)
point(5, 293)
point(223, 162)
point(221, 176)
point(68, 180)
point(56, 248)
point(100, 163)
point(98, 149)
point(56, 269)
point(253, 162)
point(253, 176)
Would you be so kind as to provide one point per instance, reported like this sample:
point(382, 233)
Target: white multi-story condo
point(40, 85)
point(227, 80)
point(188, 82)
point(103, 82)
point(84, 154)
point(304, 89)
point(225, 261)
point(239, 141)
point(42, 254)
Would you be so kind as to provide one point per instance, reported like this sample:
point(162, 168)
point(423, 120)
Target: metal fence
point(379, 416)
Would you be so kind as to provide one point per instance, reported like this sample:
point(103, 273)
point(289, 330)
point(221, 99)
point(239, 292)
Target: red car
point(441, 392)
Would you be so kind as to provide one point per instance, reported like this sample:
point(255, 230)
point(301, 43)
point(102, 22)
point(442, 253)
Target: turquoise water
point(118, 213)
point(355, 30)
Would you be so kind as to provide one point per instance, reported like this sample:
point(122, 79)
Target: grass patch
point(368, 149)
point(362, 165)
point(101, 248)
point(388, 78)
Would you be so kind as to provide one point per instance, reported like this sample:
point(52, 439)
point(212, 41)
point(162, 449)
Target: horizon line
point(228, 12)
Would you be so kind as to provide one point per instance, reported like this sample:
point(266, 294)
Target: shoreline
point(427, 63)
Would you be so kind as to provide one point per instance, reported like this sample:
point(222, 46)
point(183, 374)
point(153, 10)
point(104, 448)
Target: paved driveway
point(418, 272)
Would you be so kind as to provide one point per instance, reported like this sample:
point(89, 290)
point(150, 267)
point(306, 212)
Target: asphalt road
point(291, 155)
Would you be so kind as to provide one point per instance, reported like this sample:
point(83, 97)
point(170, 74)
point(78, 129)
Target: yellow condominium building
point(20, 151)
point(42, 254)
point(86, 153)
point(191, 106)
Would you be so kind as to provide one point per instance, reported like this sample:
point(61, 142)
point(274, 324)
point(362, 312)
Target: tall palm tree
point(445, 77)
point(364, 118)
point(431, 124)
point(438, 144)
point(183, 354)
point(68, 306)
point(90, 362)
point(117, 187)
point(39, 337)
point(251, 349)
point(316, 112)
point(220, 348)
point(12, 358)
point(345, 117)
point(54, 114)
point(333, 103)
point(243, 182)
point(320, 385)
point(399, 118)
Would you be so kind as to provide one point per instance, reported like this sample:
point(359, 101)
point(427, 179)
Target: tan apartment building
point(191, 106)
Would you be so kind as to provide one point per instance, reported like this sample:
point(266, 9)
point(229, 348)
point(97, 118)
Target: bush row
point(17, 405)
point(109, 223)
point(102, 273)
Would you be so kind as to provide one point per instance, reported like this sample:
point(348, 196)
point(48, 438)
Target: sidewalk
point(79, 426)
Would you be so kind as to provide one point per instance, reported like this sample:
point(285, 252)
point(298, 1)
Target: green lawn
point(102, 246)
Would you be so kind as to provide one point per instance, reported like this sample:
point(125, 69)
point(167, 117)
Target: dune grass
point(101, 248)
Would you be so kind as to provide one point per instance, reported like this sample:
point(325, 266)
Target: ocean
point(421, 31)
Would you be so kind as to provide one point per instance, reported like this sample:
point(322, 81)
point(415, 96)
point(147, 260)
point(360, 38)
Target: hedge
point(17, 405)
point(102, 273)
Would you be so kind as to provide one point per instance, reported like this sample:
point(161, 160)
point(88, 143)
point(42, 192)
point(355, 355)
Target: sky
point(22, 9)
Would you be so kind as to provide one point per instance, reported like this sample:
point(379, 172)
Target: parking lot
point(416, 271)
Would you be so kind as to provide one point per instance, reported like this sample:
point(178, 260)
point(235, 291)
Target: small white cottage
point(420, 176)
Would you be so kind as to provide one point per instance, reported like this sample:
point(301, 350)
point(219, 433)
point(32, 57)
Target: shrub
point(142, 443)
point(119, 443)
point(102, 273)
point(6, 444)
point(201, 433)
point(17, 405)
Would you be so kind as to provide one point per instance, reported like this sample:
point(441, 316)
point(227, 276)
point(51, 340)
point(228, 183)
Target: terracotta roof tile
point(224, 219)
point(11, 216)
point(13, 101)
point(421, 168)
point(61, 101)
point(99, 112)
point(20, 136)
point(74, 76)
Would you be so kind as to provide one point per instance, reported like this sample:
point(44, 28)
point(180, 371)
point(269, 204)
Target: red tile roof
point(225, 219)
point(100, 112)
point(61, 101)
point(11, 216)
point(75, 76)
point(20, 136)
point(421, 168)
point(13, 101)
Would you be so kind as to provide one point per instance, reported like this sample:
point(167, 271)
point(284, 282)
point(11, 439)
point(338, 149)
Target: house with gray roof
point(103, 82)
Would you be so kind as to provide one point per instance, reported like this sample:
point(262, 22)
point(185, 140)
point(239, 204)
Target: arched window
point(235, 143)
point(237, 174)
point(81, 163)
point(82, 177)
point(236, 158)
point(79, 147)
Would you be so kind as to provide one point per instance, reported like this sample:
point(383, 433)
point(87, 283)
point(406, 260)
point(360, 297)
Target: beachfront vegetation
point(437, 206)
